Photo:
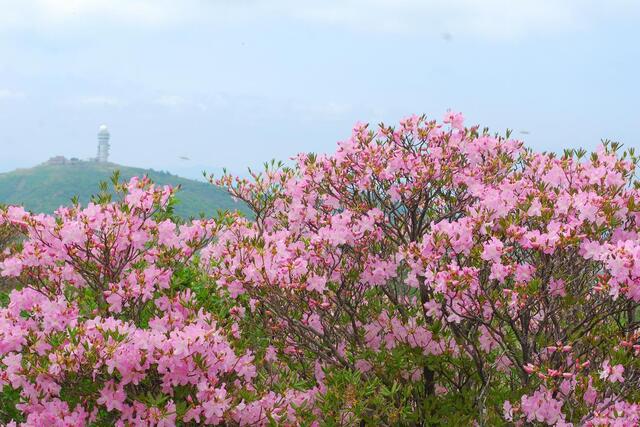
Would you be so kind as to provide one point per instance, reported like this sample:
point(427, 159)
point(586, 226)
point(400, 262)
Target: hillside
point(46, 187)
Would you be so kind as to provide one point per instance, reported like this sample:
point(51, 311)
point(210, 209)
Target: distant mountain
point(46, 187)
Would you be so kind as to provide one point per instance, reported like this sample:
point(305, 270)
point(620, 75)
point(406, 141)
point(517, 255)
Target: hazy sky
point(236, 82)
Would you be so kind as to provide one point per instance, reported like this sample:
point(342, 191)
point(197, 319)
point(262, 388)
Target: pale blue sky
point(236, 82)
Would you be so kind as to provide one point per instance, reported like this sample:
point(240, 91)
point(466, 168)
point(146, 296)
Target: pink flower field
point(424, 274)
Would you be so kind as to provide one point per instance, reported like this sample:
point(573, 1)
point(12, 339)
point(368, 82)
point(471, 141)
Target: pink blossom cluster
point(416, 266)
point(97, 333)
point(462, 245)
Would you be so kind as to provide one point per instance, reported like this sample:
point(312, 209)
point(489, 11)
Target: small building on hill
point(57, 160)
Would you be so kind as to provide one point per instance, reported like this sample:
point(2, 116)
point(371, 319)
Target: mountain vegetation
point(48, 186)
point(427, 274)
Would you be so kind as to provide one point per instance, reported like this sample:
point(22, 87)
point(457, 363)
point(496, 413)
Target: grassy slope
point(46, 187)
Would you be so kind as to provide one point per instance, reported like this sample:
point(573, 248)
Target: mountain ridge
point(47, 186)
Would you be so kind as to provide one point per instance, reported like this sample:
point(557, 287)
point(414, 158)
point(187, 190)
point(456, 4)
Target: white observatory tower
point(103, 144)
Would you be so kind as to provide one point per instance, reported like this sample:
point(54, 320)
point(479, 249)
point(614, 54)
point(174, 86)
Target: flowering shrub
point(99, 333)
point(460, 274)
point(428, 274)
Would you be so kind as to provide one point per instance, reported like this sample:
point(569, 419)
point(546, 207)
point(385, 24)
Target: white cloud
point(171, 101)
point(106, 101)
point(9, 94)
point(486, 18)
point(177, 101)
point(64, 14)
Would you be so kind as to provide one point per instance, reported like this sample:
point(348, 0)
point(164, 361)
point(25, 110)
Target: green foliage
point(8, 400)
point(46, 187)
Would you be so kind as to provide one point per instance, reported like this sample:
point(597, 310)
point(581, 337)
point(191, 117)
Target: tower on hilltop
point(103, 144)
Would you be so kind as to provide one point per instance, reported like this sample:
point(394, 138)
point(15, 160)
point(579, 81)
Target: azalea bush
point(104, 331)
point(424, 274)
point(464, 278)
point(8, 236)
